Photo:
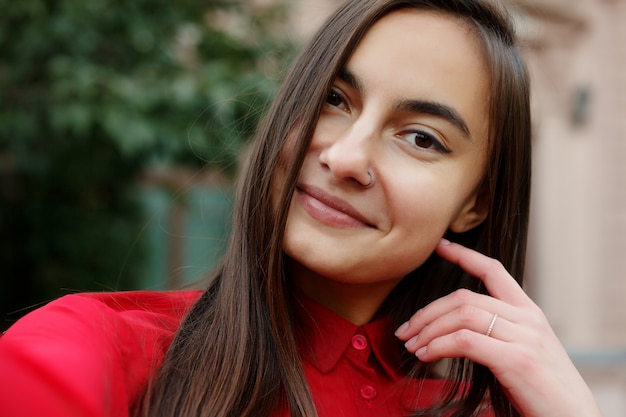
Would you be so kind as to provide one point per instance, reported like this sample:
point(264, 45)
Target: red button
point(359, 342)
point(368, 392)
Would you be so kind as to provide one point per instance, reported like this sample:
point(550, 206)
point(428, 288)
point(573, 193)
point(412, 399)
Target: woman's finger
point(491, 272)
point(469, 318)
point(463, 343)
point(463, 304)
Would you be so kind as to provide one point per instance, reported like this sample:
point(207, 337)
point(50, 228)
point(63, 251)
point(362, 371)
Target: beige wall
point(578, 225)
point(308, 15)
point(577, 247)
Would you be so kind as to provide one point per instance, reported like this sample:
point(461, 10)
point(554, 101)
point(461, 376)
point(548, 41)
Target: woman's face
point(411, 108)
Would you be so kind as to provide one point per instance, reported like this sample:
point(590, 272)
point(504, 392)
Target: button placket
point(364, 385)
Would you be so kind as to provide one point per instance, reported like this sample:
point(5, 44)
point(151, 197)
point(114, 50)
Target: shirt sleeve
point(60, 361)
point(85, 355)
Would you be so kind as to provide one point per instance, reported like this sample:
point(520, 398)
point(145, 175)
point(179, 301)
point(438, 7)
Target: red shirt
point(354, 370)
point(91, 354)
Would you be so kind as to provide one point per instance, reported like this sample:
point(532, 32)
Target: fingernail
point(411, 343)
point(445, 242)
point(421, 351)
point(402, 329)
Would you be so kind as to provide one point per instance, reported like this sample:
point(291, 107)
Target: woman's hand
point(504, 331)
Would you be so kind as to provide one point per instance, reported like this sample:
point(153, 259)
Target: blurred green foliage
point(93, 93)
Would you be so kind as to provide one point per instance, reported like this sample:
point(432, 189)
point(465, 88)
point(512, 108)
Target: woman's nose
point(349, 155)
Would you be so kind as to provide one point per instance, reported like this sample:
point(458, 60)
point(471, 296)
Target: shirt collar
point(323, 337)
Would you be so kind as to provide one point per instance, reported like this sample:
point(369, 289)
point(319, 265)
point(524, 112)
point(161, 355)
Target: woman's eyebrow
point(435, 109)
point(352, 80)
point(413, 106)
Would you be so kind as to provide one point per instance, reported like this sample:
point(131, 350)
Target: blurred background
point(122, 126)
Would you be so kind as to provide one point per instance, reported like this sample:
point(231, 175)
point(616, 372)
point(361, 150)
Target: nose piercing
point(371, 180)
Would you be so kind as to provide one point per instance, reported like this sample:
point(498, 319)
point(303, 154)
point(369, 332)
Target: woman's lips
point(329, 209)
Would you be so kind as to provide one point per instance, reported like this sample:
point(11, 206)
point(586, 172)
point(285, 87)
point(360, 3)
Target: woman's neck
point(356, 302)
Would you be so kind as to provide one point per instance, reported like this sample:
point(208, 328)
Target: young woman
point(402, 122)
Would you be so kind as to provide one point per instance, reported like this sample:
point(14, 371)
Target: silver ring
point(490, 328)
point(371, 180)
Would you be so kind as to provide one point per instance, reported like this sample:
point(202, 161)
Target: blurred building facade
point(576, 52)
point(577, 248)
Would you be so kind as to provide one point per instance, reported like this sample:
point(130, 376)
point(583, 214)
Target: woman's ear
point(473, 212)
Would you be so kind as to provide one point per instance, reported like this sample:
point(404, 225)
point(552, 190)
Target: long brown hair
point(235, 354)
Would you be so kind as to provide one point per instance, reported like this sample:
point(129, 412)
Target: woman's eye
point(425, 140)
point(336, 99)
